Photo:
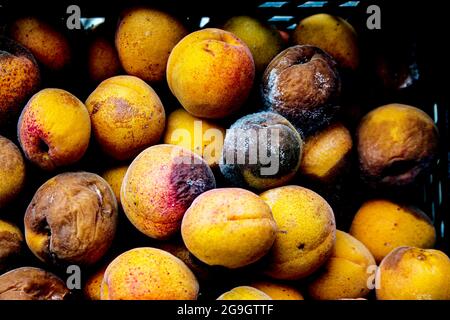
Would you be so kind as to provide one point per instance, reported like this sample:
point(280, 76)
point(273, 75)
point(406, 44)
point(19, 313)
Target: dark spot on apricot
point(421, 257)
point(96, 107)
point(206, 49)
point(188, 180)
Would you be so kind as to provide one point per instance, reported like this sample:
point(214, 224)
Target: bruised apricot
point(159, 186)
point(148, 274)
point(71, 219)
point(144, 39)
point(54, 129)
point(396, 143)
point(49, 46)
point(409, 273)
point(28, 283)
point(201, 136)
point(306, 232)
point(127, 116)
point(383, 225)
point(211, 73)
point(12, 171)
point(228, 227)
point(302, 84)
point(244, 293)
point(346, 273)
point(19, 79)
point(261, 151)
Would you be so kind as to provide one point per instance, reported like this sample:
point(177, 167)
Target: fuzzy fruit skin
point(211, 73)
point(144, 40)
point(54, 129)
point(383, 225)
point(127, 116)
point(244, 293)
point(71, 219)
point(28, 283)
point(158, 188)
point(212, 135)
point(306, 236)
point(326, 153)
point(264, 41)
point(345, 274)
point(11, 244)
point(409, 273)
point(50, 47)
point(103, 61)
point(395, 144)
point(332, 34)
point(302, 84)
point(12, 171)
point(114, 176)
point(278, 291)
point(228, 227)
point(19, 79)
point(93, 287)
point(279, 138)
point(148, 274)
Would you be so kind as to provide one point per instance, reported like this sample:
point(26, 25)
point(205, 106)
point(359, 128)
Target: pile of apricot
point(207, 164)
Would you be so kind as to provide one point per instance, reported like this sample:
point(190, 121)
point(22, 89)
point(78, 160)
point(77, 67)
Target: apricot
point(54, 129)
point(203, 137)
point(160, 185)
point(409, 273)
point(114, 176)
point(228, 227)
point(11, 244)
point(264, 41)
point(382, 226)
point(396, 143)
point(346, 273)
point(144, 40)
point(302, 84)
point(326, 153)
point(148, 274)
point(50, 47)
point(71, 219)
point(19, 79)
point(28, 283)
point(103, 61)
point(278, 291)
point(261, 151)
point(244, 293)
point(211, 73)
point(332, 34)
point(93, 287)
point(127, 116)
point(306, 233)
point(12, 171)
